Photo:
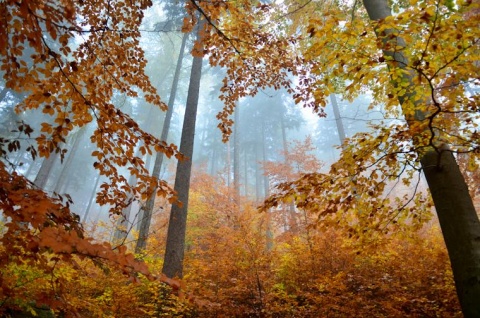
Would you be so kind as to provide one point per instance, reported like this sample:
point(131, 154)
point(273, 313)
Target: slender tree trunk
point(458, 219)
point(338, 119)
point(175, 247)
point(229, 163)
point(146, 212)
point(92, 199)
point(45, 170)
point(236, 156)
point(213, 161)
point(62, 180)
point(245, 173)
point(258, 173)
point(291, 206)
point(123, 225)
point(3, 93)
point(266, 185)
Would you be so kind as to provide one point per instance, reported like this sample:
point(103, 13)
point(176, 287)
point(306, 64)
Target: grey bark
point(338, 119)
point(236, 156)
point(123, 226)
point(45, 170)
point(66, 166)
point(92, 199)
point(146, 212)
point(458, 219)
point(459, 223)
point(258, 173)
point(175, 246)
point(3, 93)
point(229, 163)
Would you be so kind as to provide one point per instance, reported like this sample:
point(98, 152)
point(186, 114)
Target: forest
point(239, 158)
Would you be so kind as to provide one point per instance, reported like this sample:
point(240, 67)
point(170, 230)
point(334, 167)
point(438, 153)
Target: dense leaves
point(323, 245)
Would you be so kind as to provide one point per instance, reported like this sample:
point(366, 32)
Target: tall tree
point(419, 59)
point(175, 246)
point(456, 212)
point(146, 211)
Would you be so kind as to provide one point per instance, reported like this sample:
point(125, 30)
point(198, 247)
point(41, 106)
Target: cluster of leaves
point(70, 58)
point(47, 247)
point(438, 44)
point(256, 54)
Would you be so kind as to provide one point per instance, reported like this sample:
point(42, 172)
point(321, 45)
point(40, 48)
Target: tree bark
point(459, 223)
point(175, 247)
point(45, 170)
point(62, 180)
point(458, 219)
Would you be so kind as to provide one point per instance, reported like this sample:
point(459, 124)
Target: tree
point(458, 218)
point(145, 214)
point(147, 210)
point(424, 64)
point(175, 248)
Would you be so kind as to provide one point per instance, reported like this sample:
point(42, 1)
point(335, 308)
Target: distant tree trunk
point(266, 185)
point(29, 172)
point(175, 246)
point(284, 136)
point(92, 199)
point(62, 180)
point(245, 173)
point(458, 219)
point(146, 212)
point(45, 170)
point(338, 118)
point(3, 93)
point(213, 160)
point(123, 225)
point(236, 156)
point(291, 206)
point(258, 172)
point(229, 163)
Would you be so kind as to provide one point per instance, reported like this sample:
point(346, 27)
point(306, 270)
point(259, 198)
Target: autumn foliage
point(336, 244)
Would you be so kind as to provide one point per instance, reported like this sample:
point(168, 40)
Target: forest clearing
point(247, 158)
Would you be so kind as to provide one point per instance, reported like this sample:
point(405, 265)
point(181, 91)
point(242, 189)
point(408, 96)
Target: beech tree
point(453, 204)
point(175, 248)
point(422, 59)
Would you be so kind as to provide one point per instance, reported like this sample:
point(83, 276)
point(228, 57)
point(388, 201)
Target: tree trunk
point(236, 157)
point(458, 218)
point(146, 212)
point(258, 173)
point(3, 93)
point(45, 170)
point(245, 172)
point(92, 199)
point(175, 247)
point(123, 226)
point(338, 119)
point(459, 223)
point(229, 163)
point(62, 180)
